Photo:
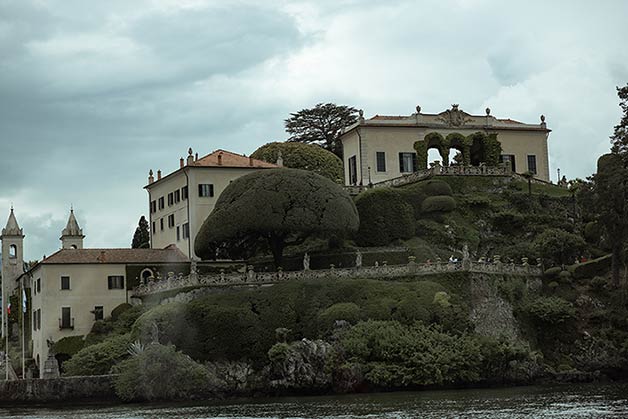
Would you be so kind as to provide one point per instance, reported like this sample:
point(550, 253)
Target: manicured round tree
point(303, 156)
point(384, 216)
point(282, 206)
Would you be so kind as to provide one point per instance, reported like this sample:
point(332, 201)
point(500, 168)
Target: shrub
point(508, 222)
point(170, 322)
point(69, 345)
point(553, 272)
point(598, 283)
point(161, 373)
point(349, 312)
point(303, 156)
point(384, 217)
point(116, 312)
point(564, 277)
point(558, 246)
point(592, 232)
point(414, 197)
point(99, 358)
point(438, 204)
point(550, 311)
point(435, 188)
point(591, 268)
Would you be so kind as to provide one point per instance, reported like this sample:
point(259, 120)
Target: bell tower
point(72, 235)
point(12, 255)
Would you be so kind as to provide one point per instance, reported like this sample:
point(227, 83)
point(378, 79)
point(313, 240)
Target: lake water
point(566, 401)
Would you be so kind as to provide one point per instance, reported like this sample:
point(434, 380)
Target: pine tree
point(141, 238)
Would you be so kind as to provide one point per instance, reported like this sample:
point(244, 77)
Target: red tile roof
point(170, 254)
point(223, 158)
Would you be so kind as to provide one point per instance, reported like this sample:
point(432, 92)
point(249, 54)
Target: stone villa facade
point(384, 147)
point(74, 287)
point(180, 202)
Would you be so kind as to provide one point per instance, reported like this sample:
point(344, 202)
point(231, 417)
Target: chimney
point(220, 159)
point(250, 161)
point(158, 174)
point(151, 178)
point(195, 156)
point(190, 156)
point(181, 163)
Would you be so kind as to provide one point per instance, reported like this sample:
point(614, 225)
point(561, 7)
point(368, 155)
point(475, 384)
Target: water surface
point(566, 401)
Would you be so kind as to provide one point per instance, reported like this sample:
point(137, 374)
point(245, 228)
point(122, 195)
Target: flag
point(23, 301)
point(9, 309)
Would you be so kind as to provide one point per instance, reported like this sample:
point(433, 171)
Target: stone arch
point(484, 149)
point(459, 142)
point(431, 140)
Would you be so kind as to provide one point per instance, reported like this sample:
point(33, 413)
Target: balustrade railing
point(383, 272)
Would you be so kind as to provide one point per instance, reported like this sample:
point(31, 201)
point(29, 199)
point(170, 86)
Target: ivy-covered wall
point(475, 148)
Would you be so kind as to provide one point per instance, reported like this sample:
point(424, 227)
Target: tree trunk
point(277, 244)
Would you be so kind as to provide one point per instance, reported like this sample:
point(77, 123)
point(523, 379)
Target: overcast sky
point(93, 94)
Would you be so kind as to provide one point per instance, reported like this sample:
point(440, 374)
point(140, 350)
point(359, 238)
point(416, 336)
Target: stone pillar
point(51, 367)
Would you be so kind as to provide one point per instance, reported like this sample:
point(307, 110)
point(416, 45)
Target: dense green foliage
point(384, 216)
point(559, 246)
point(68, 345)
point(438, 204)
point(550, 311)
point(302, 156)
point(321, 125)
point(99, 358)
point(282, 206)
point(141, 237)
point(160, 373)
point(475, 148)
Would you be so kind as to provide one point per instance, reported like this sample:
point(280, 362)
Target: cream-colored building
point(180, 202)
point(74, 287)
point(383, 147)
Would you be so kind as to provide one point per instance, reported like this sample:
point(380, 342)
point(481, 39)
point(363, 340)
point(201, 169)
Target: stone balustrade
point(382, 272)
point(436, 170)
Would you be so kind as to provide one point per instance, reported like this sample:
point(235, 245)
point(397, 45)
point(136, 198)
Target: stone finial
point(190, 159)
point(542, 118)
point(151, 178)
point(361, 115)
point(190, 152)
point(418, 108)
point(279, 161)
point(158, 174)
point(488, 111)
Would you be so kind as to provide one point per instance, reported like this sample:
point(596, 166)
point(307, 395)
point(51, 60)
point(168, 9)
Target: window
point(154, 227)
point(353, 170)
point(12, 251)
point(66, 321)
point(161, 224)
point(178, 233)
point(171, 221)
point(99, 313)
point(184, 192)
point(37, 319)
point(186, 231)
point(170, 199)
point(205, 189)
point(65, 282)
point(161, 203)
point(115, 282)
point(407, 162)
point(380, 158)
point(38, 285)
point(177, 196)
point(532, 164)
point(153, 207)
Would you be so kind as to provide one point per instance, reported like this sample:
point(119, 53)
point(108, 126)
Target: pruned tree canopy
point(141, 237)
point(283, 206)
point(303, 156)
point(321, 125)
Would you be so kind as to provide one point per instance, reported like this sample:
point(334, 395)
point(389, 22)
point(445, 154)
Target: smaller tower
point(72, 235)
point(12, 254)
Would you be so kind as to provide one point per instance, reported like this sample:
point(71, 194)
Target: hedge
point(591, 268)
point(384, 216)
point(98, 359)
point(440, 203)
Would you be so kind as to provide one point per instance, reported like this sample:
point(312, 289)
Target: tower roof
point(72, 228)
point(12, 228)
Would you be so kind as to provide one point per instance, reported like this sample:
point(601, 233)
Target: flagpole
point(23, 314)
point(5, 330)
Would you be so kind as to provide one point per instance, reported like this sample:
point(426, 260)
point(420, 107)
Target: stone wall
point(98, 388)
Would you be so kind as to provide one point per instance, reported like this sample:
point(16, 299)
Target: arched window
point(146, 273)
point(73, 246)
point(12, 251)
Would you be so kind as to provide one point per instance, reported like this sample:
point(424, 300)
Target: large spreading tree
point(611, 188)
point(303, 156)
point(141, 238)
point(279, 206)
point(321, 125)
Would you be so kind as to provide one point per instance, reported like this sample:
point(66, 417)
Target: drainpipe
point(187, 207)
point(360, 152)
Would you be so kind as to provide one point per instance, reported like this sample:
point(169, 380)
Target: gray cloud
point(93, 94)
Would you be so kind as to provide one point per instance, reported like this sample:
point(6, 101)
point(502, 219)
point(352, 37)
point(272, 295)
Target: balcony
point(67, 323)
